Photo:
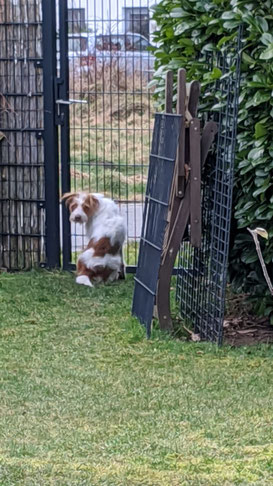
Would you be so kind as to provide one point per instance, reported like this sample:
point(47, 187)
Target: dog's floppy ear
point(91, 204)
point(68, 197)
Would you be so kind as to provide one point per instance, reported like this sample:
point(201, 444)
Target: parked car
point(131, 51)
point(81, 47)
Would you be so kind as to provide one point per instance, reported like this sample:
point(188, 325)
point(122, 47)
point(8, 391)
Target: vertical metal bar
point(96, 101)
point(90, 116)
point(134, 127)
point(74, 92)
point(195, 182)
point(127, 82)
point(51, 136)
point(118, 154)
point(7, 192)
point(64, 111)
point(27, 208)
point(110, 102)
point(104, 73)
point(169, 92)
point(82, 139)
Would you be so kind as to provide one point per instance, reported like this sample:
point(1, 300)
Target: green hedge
point(189, 28)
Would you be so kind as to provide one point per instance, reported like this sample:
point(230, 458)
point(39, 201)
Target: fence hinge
point(38, 63)
point(41, 204)
point(39, 134)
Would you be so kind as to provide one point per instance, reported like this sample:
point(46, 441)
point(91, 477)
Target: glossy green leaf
point(267, 39)
point(262, 23)
point(261, 97)
point(169, 33)
point(259, 191)
point(229, 15)
point(248, 59)
point(176, 12)
point(249, 258)
point(267, 53)
point(260, 130)
point(231, 24)
point(256, 153)
point(183, 27)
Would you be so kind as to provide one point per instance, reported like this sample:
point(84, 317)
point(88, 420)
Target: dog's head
point(82, 206)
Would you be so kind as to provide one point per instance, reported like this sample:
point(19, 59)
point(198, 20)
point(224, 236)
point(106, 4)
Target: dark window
point(140, 23)
point(76, 20)
point(137, 20)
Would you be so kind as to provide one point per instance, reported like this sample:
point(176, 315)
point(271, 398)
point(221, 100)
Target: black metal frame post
point(51, 137)
point(63, 92)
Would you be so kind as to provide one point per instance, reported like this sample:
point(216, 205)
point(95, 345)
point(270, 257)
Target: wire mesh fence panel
point(22, 218)
point(202, 273)
point(110, 130)
point(162, 161)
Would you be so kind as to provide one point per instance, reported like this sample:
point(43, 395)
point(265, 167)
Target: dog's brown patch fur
point(103, 272)
point(68, 198)
point(90, 205)
point(103, 247)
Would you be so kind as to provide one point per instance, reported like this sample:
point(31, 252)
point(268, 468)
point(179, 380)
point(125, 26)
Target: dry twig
point(263, 233)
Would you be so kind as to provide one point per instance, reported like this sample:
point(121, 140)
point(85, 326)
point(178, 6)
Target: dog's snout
point(78, 219)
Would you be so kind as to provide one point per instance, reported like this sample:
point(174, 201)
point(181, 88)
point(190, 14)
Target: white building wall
point(105, 16)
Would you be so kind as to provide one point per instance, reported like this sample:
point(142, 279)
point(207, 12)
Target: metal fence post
point(63, 92)
point(51, 137)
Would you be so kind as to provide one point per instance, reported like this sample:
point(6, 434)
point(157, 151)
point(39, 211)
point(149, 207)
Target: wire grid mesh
point(22, 218)
point(162, 161)
point(110, 134)
point(202, 273)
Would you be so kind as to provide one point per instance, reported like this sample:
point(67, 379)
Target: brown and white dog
point(102, 260)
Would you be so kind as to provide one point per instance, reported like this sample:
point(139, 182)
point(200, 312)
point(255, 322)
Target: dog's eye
point(73, 207)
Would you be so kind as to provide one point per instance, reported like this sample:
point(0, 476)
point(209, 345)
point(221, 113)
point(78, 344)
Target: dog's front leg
point(83, 274)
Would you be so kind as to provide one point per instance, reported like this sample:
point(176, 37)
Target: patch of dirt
point(242, 327)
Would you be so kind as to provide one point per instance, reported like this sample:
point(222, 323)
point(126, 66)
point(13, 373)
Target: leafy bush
point(187, 30)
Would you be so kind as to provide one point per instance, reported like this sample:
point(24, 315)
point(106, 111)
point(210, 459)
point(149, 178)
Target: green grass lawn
point(87, 400)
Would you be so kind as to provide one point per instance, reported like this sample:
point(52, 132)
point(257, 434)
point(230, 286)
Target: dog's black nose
point(78, 219)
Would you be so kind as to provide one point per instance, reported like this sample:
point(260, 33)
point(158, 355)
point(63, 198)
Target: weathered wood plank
point(180, 108)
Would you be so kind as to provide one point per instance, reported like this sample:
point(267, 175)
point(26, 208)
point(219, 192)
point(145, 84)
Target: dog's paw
point(83, 280)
